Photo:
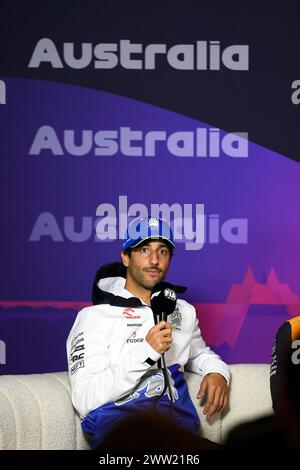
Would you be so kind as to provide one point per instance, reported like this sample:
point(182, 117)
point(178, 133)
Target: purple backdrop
point(242, 291)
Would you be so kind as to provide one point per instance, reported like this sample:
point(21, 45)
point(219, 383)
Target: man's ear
point(125, 259)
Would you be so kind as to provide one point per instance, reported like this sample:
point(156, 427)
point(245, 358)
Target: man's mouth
point(152, 272)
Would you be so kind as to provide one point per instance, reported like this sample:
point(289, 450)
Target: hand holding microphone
point(163, 302)
point(160, 337)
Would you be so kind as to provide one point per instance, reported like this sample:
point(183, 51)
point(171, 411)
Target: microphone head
point(163, 298)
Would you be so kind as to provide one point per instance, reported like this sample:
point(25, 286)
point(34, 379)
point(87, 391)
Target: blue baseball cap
point(147, 228)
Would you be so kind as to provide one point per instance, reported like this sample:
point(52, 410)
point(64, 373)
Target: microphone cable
point(167, 383)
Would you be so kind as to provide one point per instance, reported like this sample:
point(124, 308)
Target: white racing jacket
point(111, 365)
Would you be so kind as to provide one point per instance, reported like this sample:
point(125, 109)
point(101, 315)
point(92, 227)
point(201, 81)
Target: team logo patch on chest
point(176, 319)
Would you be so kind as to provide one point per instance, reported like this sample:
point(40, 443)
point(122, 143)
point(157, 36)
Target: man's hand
point(217, 393)
point(160, 337)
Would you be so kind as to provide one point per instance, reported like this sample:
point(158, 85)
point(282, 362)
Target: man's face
point(148, 264)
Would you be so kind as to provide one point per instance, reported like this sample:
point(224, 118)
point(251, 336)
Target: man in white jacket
point(114, 347)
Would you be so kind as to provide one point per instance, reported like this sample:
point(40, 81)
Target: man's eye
point(144, 250)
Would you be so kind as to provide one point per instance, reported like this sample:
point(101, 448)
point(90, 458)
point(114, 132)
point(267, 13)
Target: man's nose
point(153, 257)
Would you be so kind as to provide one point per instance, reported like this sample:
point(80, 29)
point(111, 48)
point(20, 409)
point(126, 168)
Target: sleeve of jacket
point(202, 360)
point(279, 358)
point(94, 381)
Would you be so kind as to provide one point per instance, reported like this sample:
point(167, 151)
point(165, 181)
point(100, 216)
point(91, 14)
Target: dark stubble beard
point(138, 276)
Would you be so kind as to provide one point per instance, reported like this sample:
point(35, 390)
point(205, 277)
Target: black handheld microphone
point(163, 299)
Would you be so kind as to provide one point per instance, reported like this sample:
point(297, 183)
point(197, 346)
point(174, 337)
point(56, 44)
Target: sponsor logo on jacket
point(77, 366)
point(133, 339)
point(77, 353)
point(150, 386)
point(130, 314)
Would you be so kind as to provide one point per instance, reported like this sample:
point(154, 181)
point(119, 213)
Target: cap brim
point(153, 238)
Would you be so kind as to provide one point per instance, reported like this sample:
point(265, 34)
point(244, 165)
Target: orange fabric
point(295, 328)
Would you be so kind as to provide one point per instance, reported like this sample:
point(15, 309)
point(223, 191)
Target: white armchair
point(36, 411)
